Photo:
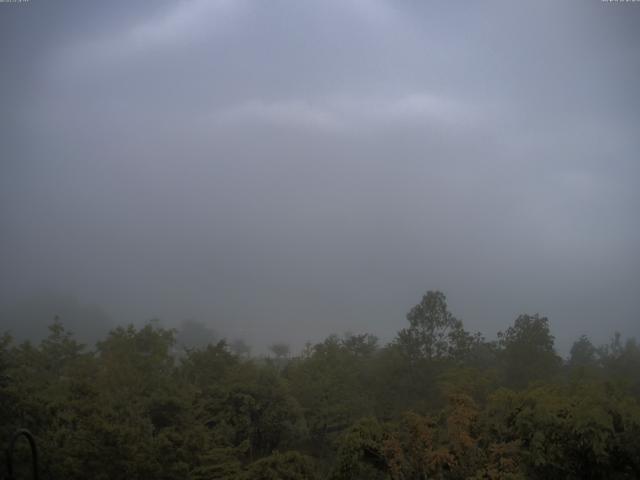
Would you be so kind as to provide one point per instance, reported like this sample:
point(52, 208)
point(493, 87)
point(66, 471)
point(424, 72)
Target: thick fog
point(283, 170)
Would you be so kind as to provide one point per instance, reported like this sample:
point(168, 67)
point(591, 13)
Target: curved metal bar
point(34, 452)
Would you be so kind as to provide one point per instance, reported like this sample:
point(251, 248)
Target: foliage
point(527, 351)
point(433, 331)
point(436, 402)
point(282, 466)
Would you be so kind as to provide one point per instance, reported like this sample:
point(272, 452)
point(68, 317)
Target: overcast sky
point(283, 170)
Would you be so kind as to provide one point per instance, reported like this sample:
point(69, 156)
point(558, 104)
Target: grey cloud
point(284, 170)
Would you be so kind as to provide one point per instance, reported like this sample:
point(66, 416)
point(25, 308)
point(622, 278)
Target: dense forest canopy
point(436, 402)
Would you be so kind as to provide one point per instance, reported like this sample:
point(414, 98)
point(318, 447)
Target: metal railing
point(34, 453)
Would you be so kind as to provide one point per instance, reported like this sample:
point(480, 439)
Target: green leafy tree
point(583, 353)
point(432, 404)
point(361, 345)
point(289, 465)
point(621, 362)
point(528, 352)
point(332, 389)
point(434, 333)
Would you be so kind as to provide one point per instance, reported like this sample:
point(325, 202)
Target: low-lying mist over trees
point(438, 401)
point(28, 319)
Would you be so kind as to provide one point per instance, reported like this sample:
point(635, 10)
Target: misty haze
point(356, 239)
